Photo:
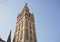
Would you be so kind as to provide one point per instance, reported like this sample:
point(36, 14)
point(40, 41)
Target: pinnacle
point(26, 7)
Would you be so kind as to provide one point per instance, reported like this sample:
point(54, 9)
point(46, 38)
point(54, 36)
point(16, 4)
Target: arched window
point(34, 37)
point(30, 25)
point(26, 23)
point(30, 38)
point(21, 35)
point(22, 24)
point(26, 33)
point(26, 14)
point(33, 27)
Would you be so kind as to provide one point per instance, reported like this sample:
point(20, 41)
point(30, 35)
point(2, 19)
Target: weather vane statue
point(26, 4)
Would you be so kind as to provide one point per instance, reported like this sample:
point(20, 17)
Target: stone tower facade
point(25, 27)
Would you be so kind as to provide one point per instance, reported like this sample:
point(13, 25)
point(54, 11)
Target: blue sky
point(47, 18)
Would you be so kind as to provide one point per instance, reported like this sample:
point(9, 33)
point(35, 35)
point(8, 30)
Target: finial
point(25, 7)
point(26, 4)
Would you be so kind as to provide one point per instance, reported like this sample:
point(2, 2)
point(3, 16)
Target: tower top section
point(26, 7)
point(25, 12)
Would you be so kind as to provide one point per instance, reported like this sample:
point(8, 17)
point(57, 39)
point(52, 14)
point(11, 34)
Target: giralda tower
point(25, 27)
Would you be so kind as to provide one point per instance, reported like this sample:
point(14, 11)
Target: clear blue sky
point(47, 18)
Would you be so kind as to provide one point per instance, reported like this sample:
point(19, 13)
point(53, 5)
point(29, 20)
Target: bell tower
point(25, 27)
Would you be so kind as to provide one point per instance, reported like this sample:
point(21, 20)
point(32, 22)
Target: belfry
point(25, 27)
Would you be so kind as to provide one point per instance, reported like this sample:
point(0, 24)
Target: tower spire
point(9, 37)
point(26, 7)
point(26, 4)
